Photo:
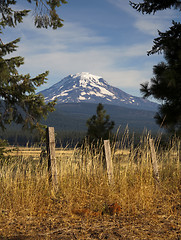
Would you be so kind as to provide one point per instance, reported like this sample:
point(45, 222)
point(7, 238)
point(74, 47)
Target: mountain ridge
point(89, 88)
point(73, 117)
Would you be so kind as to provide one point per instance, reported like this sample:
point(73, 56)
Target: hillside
point(73, 117)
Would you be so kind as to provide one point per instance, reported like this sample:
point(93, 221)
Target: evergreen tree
point(99, 126)
point(166, 83)
point(45, 14)
point(19, 102)
point(152, 6)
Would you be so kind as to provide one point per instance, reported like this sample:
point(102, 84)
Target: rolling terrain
point(73, 117)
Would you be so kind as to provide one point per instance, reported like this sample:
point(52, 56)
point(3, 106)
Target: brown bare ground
point(58, 225)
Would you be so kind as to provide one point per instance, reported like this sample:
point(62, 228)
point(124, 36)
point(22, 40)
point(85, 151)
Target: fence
point(52, 159)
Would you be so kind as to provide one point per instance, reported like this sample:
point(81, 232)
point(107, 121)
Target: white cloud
point(90, 59)
point(96, 61)
point(127, 78)
point(136, 50)
point(148, 23)
point(33, 40)
point(122, 4)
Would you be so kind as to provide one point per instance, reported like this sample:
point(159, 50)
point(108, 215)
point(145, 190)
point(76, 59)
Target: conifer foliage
point(166, 83)
point(99, 126)
point(152, 6)
point(19, 102)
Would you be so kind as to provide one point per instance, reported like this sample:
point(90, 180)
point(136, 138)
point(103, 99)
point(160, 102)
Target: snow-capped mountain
point(88, 88)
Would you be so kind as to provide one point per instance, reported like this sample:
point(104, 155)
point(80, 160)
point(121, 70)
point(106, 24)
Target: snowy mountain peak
point(86, 87)
point(86, 75)
point(86, 78)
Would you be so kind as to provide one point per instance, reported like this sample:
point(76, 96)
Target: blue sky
point(103, 37)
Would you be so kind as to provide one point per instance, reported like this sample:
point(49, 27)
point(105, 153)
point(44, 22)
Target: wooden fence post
point(109, 161)
point(52, 167)
point(154, 160)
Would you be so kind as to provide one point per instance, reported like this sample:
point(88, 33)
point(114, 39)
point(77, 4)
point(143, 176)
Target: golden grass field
point(80, 208)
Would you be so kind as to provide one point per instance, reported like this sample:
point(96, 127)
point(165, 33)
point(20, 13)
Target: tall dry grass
point(82, 182)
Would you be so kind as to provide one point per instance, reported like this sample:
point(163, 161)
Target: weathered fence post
point(52, 168)
point(154, 160)
point(107, 149)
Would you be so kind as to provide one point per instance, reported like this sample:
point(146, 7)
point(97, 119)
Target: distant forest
point(25, 138)
point(70, 139)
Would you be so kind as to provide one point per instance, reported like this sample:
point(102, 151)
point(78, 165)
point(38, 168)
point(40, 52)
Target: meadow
point(81, 207)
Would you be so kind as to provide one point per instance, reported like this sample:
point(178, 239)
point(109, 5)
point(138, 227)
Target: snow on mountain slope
point(88, 88)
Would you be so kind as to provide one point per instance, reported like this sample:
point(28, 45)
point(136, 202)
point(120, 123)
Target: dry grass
point(30, 209)
point(35, 152)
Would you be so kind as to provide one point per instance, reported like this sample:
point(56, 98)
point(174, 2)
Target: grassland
point(31, 209)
